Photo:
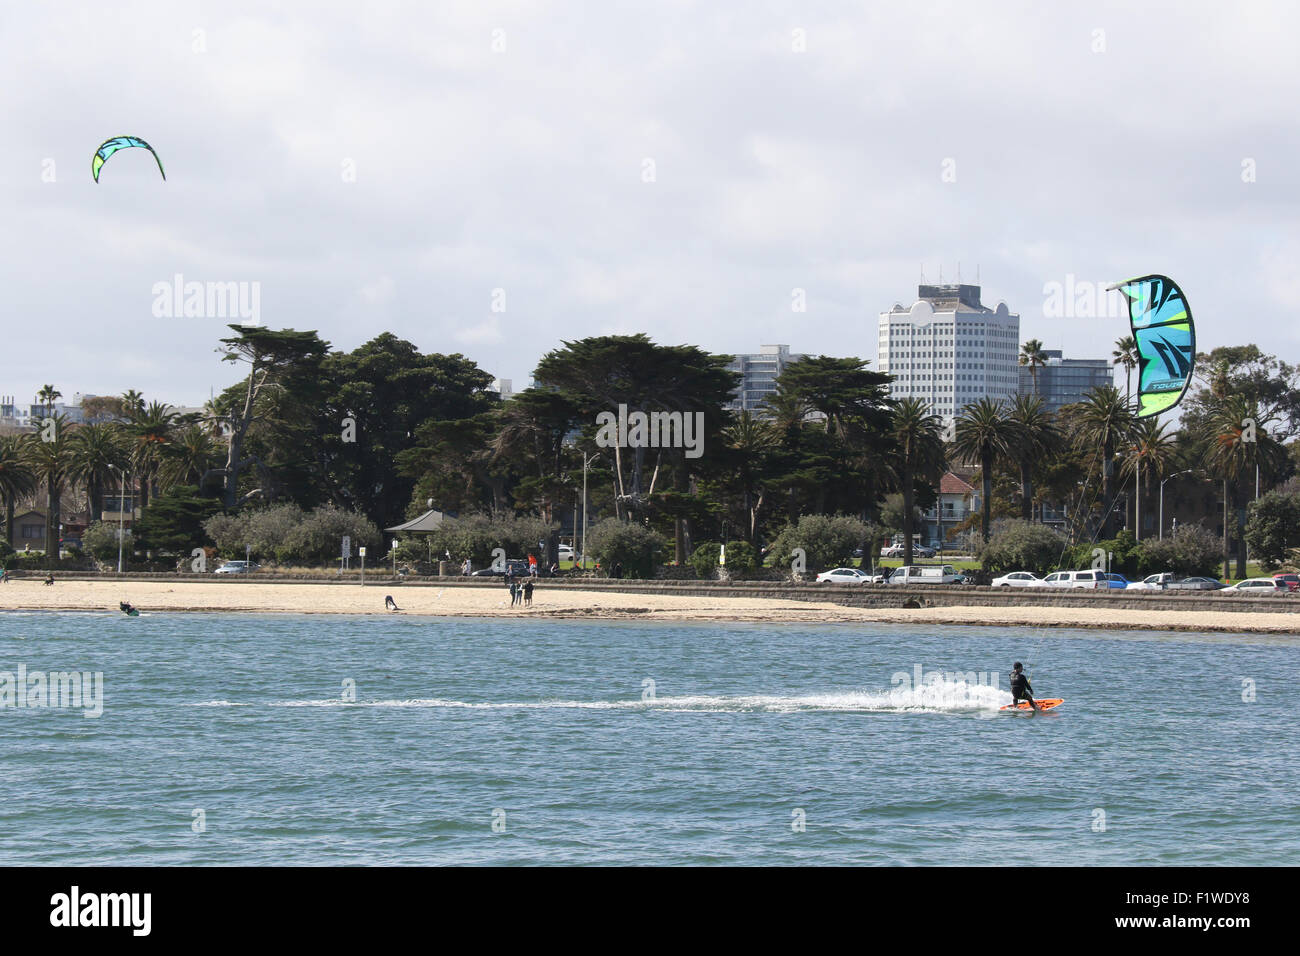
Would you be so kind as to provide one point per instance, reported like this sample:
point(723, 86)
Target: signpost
point(347, 553)
point(362, 551)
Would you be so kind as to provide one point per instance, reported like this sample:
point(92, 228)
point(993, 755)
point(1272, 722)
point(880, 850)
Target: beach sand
point(301, 598)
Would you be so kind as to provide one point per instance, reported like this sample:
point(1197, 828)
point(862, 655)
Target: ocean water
point(243, 739)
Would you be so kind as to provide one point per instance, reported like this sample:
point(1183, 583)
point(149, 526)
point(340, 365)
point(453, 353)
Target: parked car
point(1195, 584)
point(1154, 582)
point(566, 552)
point(1076, 579)
point(1258, 586)
point(925, 574)
point(238, 567)
point(1114, 581)
point(1292, 580)
point(844, 576)
point(1018, 579)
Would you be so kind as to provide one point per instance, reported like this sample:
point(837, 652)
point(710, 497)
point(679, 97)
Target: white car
point(1257, 586)
point(844, 576)
point(238, 567)
point(1077, 579)
point(1153, 582)
point(566, 552)
point(1018, 579)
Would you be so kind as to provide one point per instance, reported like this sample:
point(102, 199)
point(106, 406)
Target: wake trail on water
point(940, 697)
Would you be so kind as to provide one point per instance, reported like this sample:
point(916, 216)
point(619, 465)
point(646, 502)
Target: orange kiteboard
point(1044, 703)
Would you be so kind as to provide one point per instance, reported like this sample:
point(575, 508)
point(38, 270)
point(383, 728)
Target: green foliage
point(318, 537)
point(1191, 550)
point(173, 522)
point(742, 559)
point(476, 536)
point(1273, 527)
point(1018, 545)
point(622, 542)
point(827, 540)
point(100, 540)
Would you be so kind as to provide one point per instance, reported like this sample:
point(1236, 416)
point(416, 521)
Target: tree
point(1236, 442)
point(174, 522)
point(1035, 436)
point(149, 435)
point(1126, 354)
point(270, 355)
point(1100, 425)
point(190, 457)
point(47, 396)
point(984, 434)
point(1033, 357)
point(17, 479)
point(750, 442)
point(49, 453)
point(1020, 545)
point(628, 543)
point(1151, 449)
point(1273, 527)
point(96, 450)
point(919, 454)
point(1190, 550)
point(825, 540)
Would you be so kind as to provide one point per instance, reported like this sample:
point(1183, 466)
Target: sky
point(496, 178)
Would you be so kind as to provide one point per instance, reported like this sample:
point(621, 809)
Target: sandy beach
point(299, 598)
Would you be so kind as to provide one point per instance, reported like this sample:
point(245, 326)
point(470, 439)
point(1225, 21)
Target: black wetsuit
point(1020, 689)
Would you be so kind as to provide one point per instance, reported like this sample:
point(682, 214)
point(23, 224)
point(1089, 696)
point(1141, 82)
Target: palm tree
point(1033, 356)
point(16, 478)
point(1150, 451)
point(1237, 443)
point(96, 449)
point(984, 434)
point(919, 453)
point(50, 456)
point(1036, 434)
point(47, 397)
point(752, 440)
point(132, 403)
point(190, 457)
point(1126, 354)
point(1102, 421)
point(150, 431)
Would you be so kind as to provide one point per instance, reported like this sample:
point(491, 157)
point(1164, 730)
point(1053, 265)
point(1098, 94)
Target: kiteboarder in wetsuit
point(1020, 689)
point(125, 606)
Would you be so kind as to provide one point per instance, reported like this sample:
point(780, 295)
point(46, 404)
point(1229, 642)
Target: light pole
point(586, 460)
point(121, 516)
point(1162, 502)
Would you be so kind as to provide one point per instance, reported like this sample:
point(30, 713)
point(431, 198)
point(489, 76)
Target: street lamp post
point(586, 460)
point(1162, 502)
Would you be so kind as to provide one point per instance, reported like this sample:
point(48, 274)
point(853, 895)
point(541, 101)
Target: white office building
point(949, 349)
point(759, 372)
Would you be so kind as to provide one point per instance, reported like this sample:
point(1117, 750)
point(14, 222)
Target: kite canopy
point(111, 146)
point(1166, 341)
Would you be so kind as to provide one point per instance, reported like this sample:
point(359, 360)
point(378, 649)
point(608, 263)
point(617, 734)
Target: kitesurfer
point(1020, 689)
point(125, 606)
point(390, 604)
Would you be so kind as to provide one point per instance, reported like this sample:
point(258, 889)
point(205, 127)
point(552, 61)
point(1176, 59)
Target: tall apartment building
point(949, 349)
point(1064, 381)
point(758, 375)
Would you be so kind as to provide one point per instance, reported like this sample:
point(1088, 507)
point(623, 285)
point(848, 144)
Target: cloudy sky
point(673, 167)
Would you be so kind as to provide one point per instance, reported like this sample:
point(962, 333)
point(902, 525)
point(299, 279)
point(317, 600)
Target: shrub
point(1019, 545)
point(621, 542)
point(1273, 527)
point(100, 540)
point(827, 540)
point(1191, 550)
point(476, 536)
point(318, 537)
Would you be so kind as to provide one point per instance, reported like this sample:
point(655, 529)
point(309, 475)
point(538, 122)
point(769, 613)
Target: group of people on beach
point(521, 592)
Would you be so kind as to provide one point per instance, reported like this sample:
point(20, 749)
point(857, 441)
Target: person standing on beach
point(1020, 689)
point(528, 593)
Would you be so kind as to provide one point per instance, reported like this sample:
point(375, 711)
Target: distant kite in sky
point(1166, 341)
point(111, 146)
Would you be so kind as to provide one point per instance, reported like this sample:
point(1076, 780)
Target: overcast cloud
point(522, 169)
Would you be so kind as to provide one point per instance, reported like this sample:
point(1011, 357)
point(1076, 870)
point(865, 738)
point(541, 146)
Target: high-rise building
point(949, 349)
point(1063, 381)
point(758, 375)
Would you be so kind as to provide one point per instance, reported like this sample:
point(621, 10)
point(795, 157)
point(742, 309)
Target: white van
point(1077, 579)
point(924, 574)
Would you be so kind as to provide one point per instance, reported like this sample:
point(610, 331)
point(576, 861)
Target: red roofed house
point(957, 499)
